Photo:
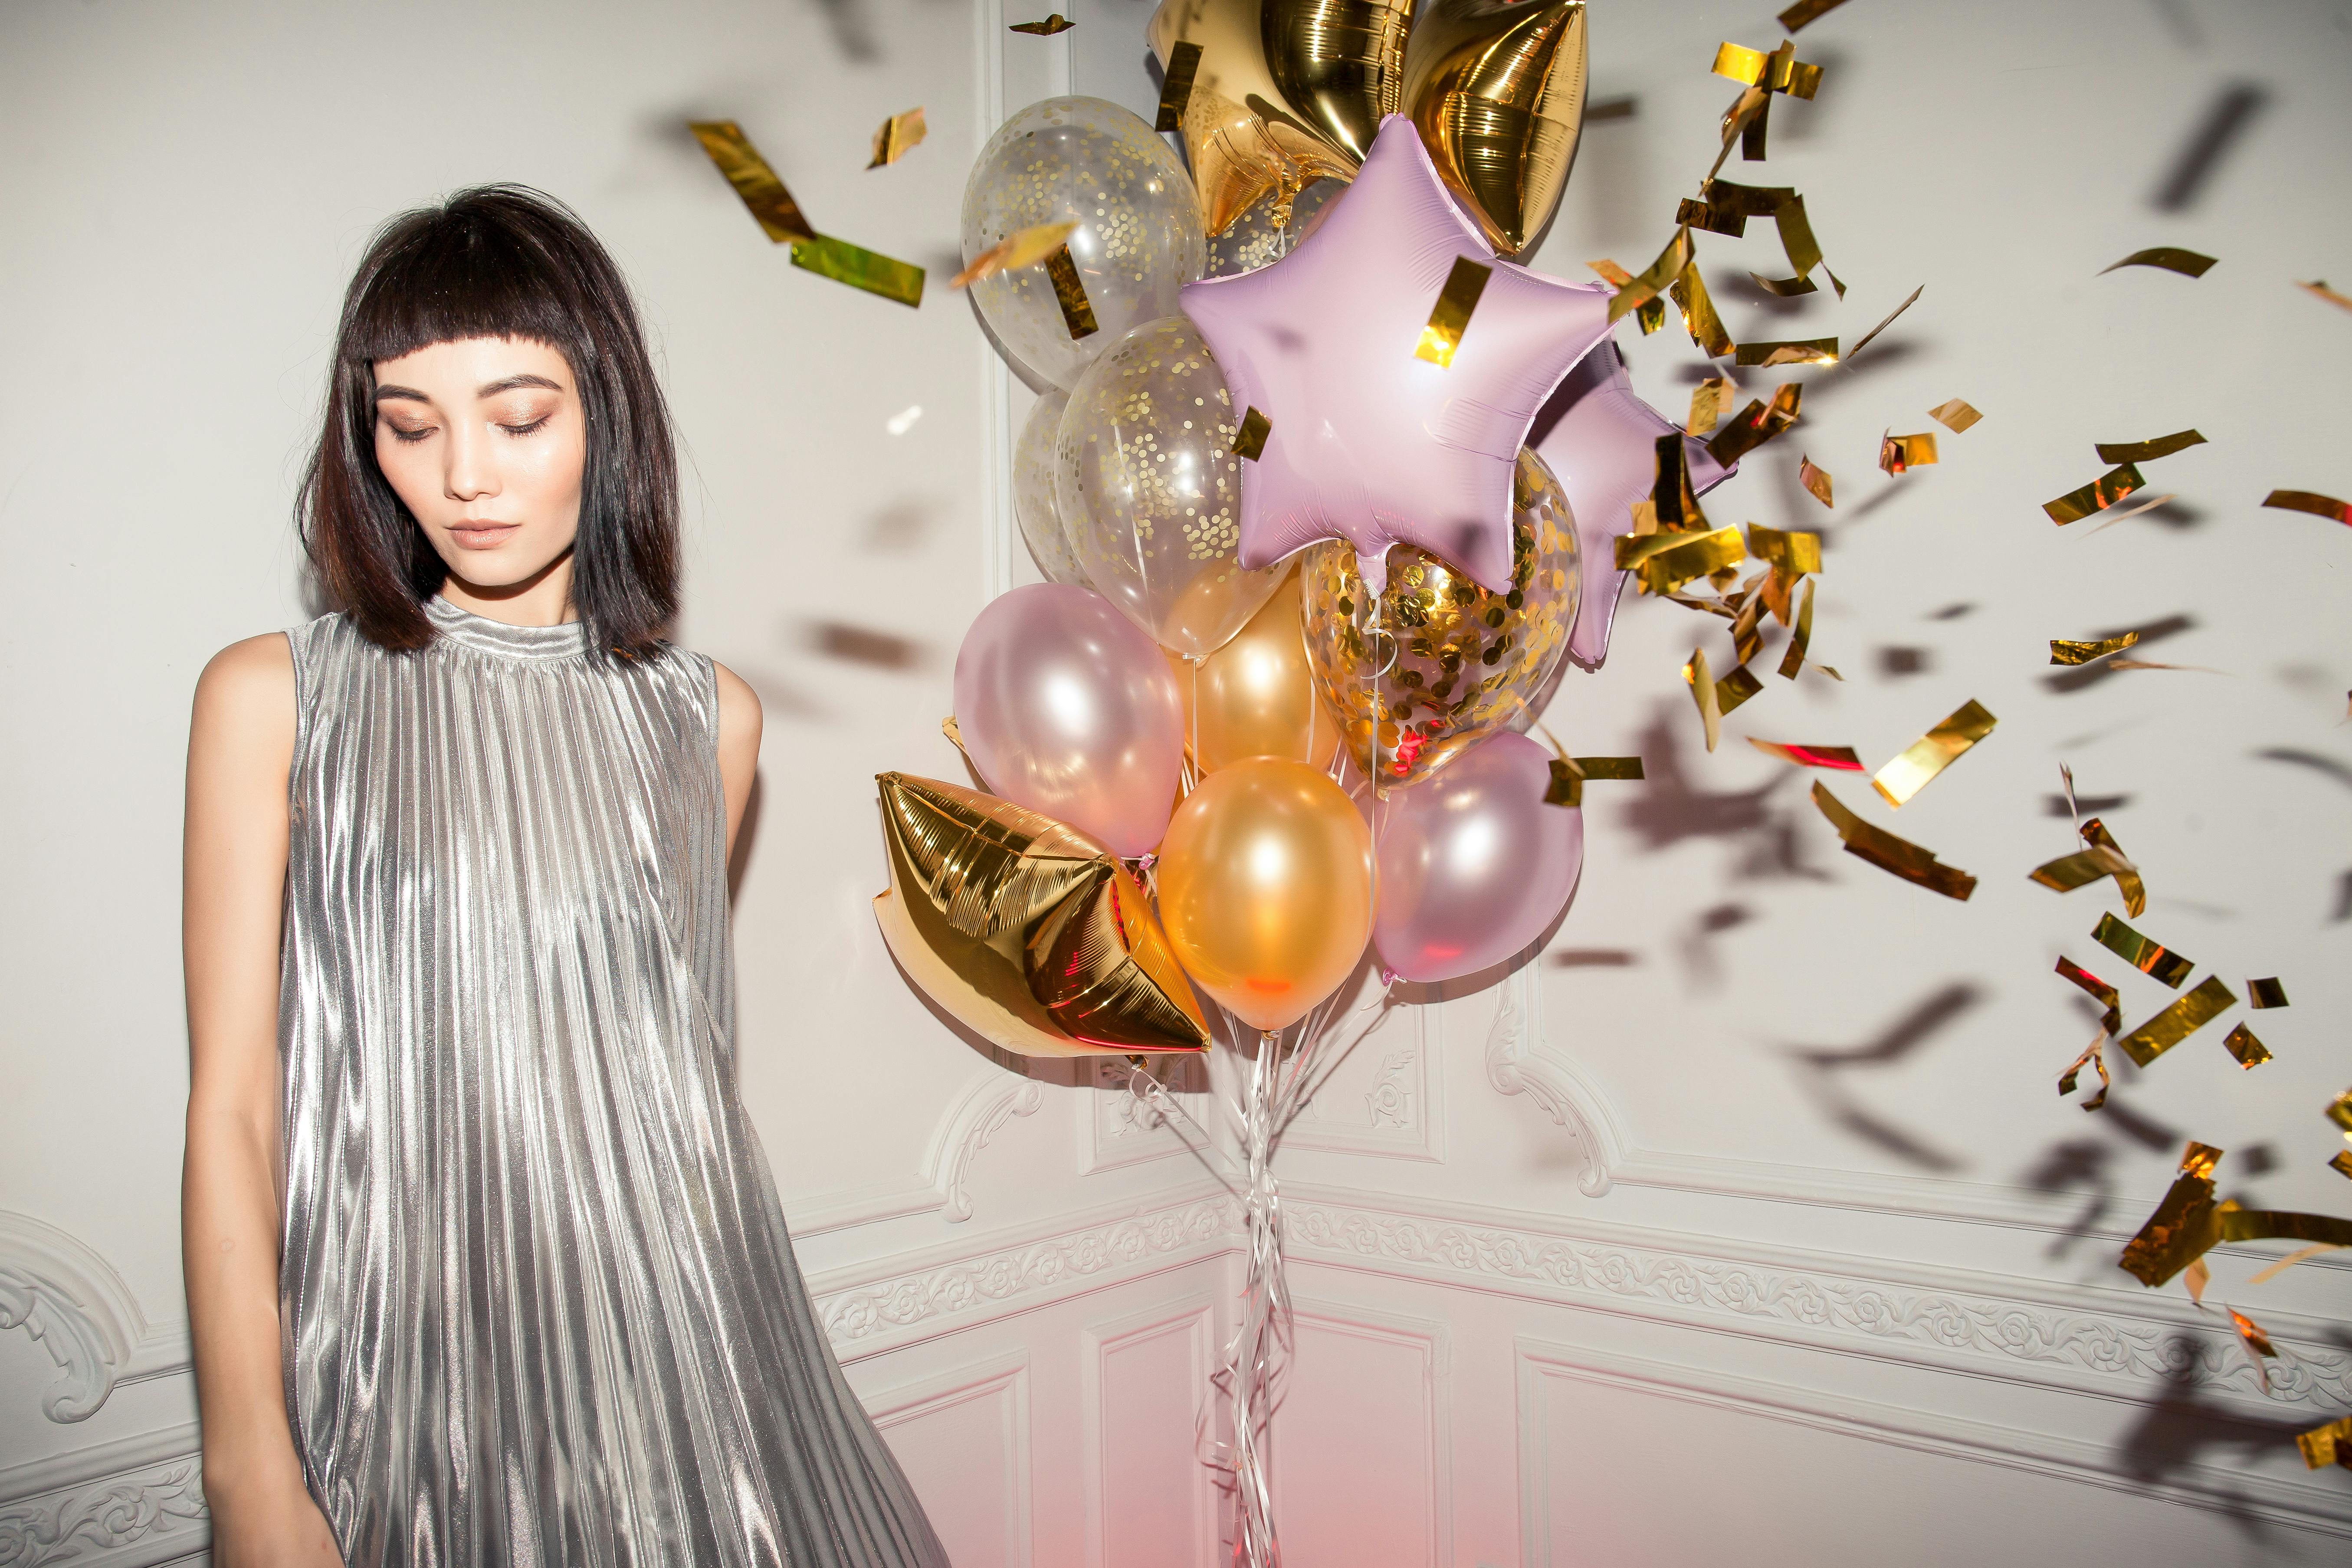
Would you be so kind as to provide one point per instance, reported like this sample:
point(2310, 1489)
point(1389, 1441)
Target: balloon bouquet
point(1308, 581)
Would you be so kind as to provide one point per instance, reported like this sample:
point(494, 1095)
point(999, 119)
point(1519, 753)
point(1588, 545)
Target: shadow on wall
point(2177, 1429)
point(1820, 1074)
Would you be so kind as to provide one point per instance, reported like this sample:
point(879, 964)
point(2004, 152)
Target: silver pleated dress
point(538, 1303)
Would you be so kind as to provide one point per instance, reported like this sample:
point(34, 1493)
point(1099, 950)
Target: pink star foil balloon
point(1601, 442)
point(1367, 442)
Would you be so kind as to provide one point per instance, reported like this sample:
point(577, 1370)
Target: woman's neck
point(541, 600)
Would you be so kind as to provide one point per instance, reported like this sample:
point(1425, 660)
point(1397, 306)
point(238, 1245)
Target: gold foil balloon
point(1445, 662)
point(1497, 89)
point(1254, 696)
point(1026, 931)
point(1040, 515)
point(1241, 143)
point(1265, 889)
point(1340, 63)
point(1137, 241)
point(1149, 489)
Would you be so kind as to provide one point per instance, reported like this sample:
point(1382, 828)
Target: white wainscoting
point(1147, 1420)
point(963, 1441)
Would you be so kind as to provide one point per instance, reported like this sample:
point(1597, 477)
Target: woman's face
point(483, 440)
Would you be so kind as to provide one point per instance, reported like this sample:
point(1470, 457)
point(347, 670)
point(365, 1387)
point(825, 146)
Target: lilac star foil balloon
point(1601, 443)
point(1367, 442)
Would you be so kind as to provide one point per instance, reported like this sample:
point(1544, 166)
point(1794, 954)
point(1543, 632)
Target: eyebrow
point(409, 393)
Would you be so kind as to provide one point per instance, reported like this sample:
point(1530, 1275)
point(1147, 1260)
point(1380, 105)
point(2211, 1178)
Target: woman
point(459, 991)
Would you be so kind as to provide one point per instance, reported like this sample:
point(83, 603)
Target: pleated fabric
point(538, 1304)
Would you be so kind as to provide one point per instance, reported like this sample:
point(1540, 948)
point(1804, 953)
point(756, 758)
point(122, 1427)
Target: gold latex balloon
point(1339, 62)
point(1241, 144)
point(1254, 696)
point(1265, 887)
point(1445, 662)
point(1028, 932)
point(1496, 90)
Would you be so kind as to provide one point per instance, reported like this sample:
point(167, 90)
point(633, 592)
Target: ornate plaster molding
point(1517, 1064)
point(152, 1515)
point(977, 1116)
point(71, 1300)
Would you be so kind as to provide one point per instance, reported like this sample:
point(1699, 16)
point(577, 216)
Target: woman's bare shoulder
point(739, 717)
point(249, 687)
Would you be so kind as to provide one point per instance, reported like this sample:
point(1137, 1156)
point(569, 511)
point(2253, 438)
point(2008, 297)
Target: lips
point(483, 535)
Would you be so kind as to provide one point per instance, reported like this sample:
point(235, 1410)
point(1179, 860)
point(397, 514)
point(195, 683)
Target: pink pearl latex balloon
point(1473, 864)
point(1065, 707)
point(1368, 441)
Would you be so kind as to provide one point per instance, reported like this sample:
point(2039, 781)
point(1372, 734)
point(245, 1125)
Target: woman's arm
point(240, 747)
point(738, 746)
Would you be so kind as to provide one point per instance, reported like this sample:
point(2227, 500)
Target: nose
point(471, 469)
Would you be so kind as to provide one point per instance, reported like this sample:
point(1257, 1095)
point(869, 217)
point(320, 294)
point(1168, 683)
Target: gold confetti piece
point(2184, 1226)
point(2097, 496)
point(1725, 220)
point(2322, 291)
point(1699, 319)
point(1799, 638)
point(1455, 301)
point(1672, 498)
point(2169, 258)
point(2094, 1055)
point(1665, 562)
point(2339, 1111)
point(2305, 500)
point(2270, 1224)
point(2249, 1051)
point(1932, 752)
point(1954, 415)
point(2134, 510)
point(1702, 684)
point(1249, 445)
point(2127, 882)
point(1830, 672)
point(1070, 294)
point(1176, 86)
point(1779, 71)
point(1757, 423)
point(899, 135)
point(2062, 651)
point(1710, 400)
point(1839, 757)
point(1022, 247)
point(1570, 775)
point(1886, 324)
point(1735, 689)
point(1901, 454)
point(2142, 451)
point(2104, 995)
point(2079, 869)
point(2328, 1445)
point(770, 203)
point(861, 269)
point(1053, 23)
point(953, 730)
point(2267, 993)
point(1787, 288)
point(2292, 1258)
point(1805, 11)
point(1744, 66)
point(1641, 291)
point(2197, 1279)
point(2342, 1163)
point(1793, 553)
point(1816, 480)
point(1814, 351)
point(1786, 210)
point(2178, 1022)
point(1883, 849)
point(2258, 1344)
point(2152, 959)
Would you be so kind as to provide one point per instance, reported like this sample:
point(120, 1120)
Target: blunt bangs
point(497, 261)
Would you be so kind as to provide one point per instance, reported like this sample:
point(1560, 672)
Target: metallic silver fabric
point(538, 1303)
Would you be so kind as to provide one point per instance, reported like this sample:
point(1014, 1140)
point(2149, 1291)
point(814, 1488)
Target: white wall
point(1744, 1219)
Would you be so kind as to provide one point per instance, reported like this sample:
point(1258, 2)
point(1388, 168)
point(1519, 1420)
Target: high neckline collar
point(463, 626)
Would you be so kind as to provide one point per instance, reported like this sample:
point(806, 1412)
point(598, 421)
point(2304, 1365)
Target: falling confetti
point(899, 135)
point(2186, 262)
point(1816, 480)
point(1954, 416)
point(1053, 23)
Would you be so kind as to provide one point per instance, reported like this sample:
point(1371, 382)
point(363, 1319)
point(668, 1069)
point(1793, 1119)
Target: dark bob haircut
point(499, 261)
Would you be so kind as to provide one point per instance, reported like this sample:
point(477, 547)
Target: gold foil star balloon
point(1028, 932)
point(1243, 145)
point(1450, 662)
point(1498, 92)
point(1340, 63)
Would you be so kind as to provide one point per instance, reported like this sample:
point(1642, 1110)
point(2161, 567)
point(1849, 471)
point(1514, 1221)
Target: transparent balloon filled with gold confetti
point(1444, 662)
point(1137, 237)
point(1150, 492)
point(1033, 503)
